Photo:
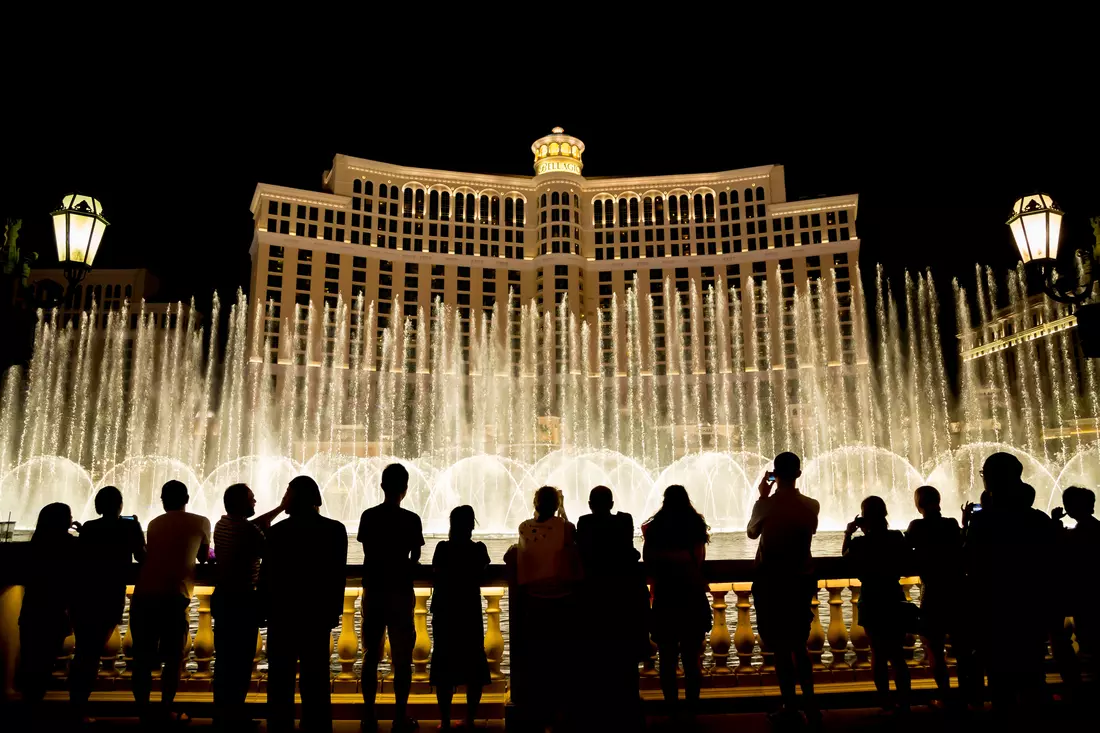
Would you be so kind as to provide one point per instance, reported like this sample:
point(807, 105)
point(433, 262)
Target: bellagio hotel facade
point(404, 237)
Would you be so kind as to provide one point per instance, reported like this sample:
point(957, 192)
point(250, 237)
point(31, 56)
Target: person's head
point(678, 518)
point(395, 482)
point(303, 496)
point(108, 502)
point(1002, 472)
point(787, 468)
point(547, 501)
point(872, 514)
point(600, 500)
point(462, 522)
point(927, 499)
point(1078, 502)
point(239, 501)
point(173, 496)
point(1026, 495)
point(54, 520)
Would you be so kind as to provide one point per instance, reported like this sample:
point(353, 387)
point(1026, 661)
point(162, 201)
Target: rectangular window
point(302, 284)
point(273, 208)
point(844, 232)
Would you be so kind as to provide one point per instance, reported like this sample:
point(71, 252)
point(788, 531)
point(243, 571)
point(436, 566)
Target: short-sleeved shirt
point(389, 535)
point(546, 556)
point(172, 548)
point(105, 550)
point(937, 546)
point(238, 547)
point(786, 523)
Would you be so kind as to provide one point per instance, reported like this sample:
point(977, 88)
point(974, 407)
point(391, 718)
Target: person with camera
point(879, 557)
point(784, 585)
point(1080, 551)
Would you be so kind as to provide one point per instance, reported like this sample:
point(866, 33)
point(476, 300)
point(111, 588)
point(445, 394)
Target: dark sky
point(936, 152)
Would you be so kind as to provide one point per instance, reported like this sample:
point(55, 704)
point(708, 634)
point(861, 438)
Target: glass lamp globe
point(78, 228)
point(1036, 225)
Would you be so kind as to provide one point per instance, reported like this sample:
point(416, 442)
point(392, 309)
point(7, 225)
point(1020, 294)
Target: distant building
point(108, 289)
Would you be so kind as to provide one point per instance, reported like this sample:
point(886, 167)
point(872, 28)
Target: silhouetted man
point(392, 538)
point(616, 597)
point(1081, 559)
point(784, 584)
point(176, 540)
point(1008, 538)
point(238, 547)
point(105, 550)
point(302, 582)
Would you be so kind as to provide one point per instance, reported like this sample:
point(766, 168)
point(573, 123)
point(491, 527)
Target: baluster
point(838, 634)
point(861, 643)
point(256, 658)
point(128, 640)
point(109, 657)
point(422, 648)
point(204, 635)
point(494, 640)
point(909, 647)
point(815, 642)
point(387, 656)
point(347, 645)
point(719, 632)
point(744, 641)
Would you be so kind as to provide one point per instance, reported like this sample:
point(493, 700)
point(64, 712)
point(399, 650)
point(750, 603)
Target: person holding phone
point(785, 523)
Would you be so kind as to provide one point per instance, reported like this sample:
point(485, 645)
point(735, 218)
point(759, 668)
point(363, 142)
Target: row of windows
point(682, 208)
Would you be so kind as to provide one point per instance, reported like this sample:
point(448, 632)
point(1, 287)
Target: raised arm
point(264, 520)
point(756, 521)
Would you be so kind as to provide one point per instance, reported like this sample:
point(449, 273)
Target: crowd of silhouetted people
point(579, 591)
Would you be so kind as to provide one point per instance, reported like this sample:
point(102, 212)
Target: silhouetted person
point(936, 542)
point(301, 586)
point(105, 551)
point(175, 541)
point(878, 558)
point(238, 547)
point(616, 596)
point(675, 547)
point(44, 617)
point(784, 585)
point(1081, 557)
point(392, 538)
point(1008, 539)
point(458, 654)
point(547, 573)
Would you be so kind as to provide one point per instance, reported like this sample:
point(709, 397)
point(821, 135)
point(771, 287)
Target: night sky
point(936, 155)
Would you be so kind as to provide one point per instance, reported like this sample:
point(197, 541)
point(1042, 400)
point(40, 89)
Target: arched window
point(542, 201)
point(445, 206)
point(471, 208)
point(368, 188)
point(723, 199)
point(419, 203)
point(555, 199)
point(408, 202)
point(494, 211)
point(623, 220)
point(597, 213)
point(383, 190)
point(129, 290)
point(460, 207)
point(647, 211)
point(759, 193)
point(748, 195)
point(733, 197)
point(698, 201)
point(659, 206)
point(484, 209)
point(393, 192)
point(520, 205)
point(118, 291)
point(507, 212)
point(634, 212)
point(673, 210)
point(433, 205)
point(565, 198)
point(357, 186)
point(708, 202)
point(608, 213)
point(684, 210)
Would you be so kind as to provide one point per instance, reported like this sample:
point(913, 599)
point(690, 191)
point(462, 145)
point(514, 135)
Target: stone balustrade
point(733, 658)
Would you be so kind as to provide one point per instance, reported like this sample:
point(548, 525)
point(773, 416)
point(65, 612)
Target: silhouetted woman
point(44, 617)
point(675, 546)
point(879, 558)
point(459, 655)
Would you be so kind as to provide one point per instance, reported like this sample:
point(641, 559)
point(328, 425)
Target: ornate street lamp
point(78, 228)
point(1036, 225)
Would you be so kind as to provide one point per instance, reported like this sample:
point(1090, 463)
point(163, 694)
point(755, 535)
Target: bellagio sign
point(559, 166)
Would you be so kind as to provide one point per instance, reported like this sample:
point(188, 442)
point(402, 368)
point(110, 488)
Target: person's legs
point(667, 656)
point(235, 639)
point(473, 699)
point(690, 648)
point(784, 671)
point(933, 645)
point(38, 649)
point(374, 630)
point(281, 661)
point(92, 636)
point(402, 633)
point(173, 620)
point(314, 684)
point(880, 670)
point(145, 632)
point(444, 694)
point(1065, 658)
point(901, 668)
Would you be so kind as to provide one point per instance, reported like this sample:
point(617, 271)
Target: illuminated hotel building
point(404, 237)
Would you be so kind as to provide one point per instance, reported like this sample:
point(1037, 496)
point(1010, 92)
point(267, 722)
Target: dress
point(459, 636)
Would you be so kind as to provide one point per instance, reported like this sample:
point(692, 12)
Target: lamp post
point(1036, 225)
point(78, 228)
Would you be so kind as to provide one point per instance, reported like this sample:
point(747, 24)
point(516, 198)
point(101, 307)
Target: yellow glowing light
point(554, 148)
point(78, 229)
point(1036, 225)
point(542, 151)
